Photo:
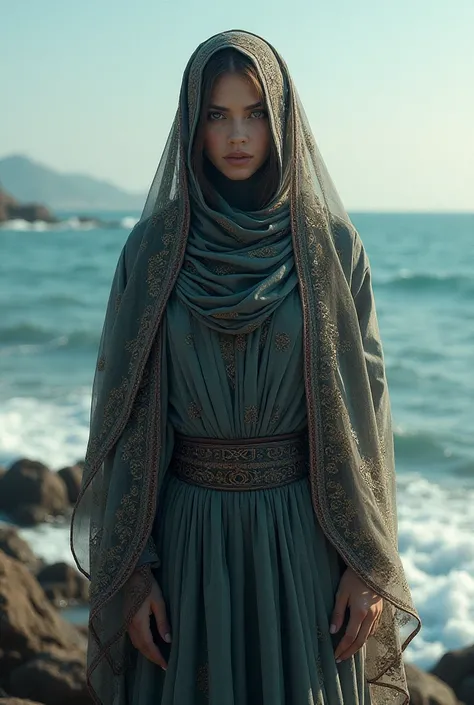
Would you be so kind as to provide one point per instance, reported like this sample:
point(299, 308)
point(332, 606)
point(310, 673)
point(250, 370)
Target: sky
point(92, 86)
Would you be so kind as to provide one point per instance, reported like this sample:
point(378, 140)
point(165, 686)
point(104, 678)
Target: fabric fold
point(238, 267)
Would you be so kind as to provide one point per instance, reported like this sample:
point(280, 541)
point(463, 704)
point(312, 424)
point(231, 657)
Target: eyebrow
point(226, 110)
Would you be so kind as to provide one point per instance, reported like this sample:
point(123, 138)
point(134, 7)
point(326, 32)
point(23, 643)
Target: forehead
point(233, 89)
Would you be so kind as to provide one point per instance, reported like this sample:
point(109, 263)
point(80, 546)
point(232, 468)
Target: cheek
point(212, 141)
point(262, 136)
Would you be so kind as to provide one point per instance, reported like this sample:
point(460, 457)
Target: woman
point(237, 517)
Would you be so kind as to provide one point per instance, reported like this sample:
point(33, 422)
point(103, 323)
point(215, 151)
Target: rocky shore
point(43, 656)
point(12, 210)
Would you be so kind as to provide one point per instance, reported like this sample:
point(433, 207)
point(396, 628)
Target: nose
point(238, 135)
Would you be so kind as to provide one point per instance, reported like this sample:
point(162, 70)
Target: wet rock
point(30, 492)
point(14, 546)
point(7, 700)
point(54, 679)
point(29, 624)
point(426, 689)
point(72, 476)
point(456, 667)
point(11, 209)
point(465, 691)
point(63, 583)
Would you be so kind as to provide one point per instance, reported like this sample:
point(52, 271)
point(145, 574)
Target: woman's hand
point(139, 627)
point(365, 609)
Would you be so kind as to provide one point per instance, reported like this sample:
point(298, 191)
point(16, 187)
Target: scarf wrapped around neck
point(238, 266)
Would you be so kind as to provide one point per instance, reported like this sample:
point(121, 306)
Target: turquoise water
point(53, 291)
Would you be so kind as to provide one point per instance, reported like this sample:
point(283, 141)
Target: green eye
point(215, 115)
point(259, 114)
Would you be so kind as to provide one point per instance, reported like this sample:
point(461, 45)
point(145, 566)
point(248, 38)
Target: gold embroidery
point(156, 269)
point(222, 268)
point(275, 417)
point(194, 411)
point(189, 266)
point(282, 341)
point(135, 346)
point(101, 363)
point(225, 314)
point(189, 340)
point(226, 344)
point(241, 343)
point(118, 301)
point(202, 679)
point(264, 332)
point(319, 669)
point(267, 251)
point(246, 464)
point(251, 414)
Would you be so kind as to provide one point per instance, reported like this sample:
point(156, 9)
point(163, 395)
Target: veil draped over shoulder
point(352, 471)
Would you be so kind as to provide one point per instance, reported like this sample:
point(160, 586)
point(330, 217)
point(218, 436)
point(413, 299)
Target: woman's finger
point(356, 619)
point(362, 637)
point(158, 608)
point(339, 611)
point(142, 639)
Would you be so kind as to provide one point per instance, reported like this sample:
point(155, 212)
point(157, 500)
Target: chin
point(237, 173)
point(239, 177)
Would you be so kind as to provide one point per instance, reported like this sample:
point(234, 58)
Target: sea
point(54, 284)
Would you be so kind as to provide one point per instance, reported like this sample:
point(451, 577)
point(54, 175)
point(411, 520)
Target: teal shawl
point(238, 266)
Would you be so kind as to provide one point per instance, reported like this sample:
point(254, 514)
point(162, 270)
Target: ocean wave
point(73, 223)
point(437, 548)
point(407, 280)
point(54, 431)
point(440, 456)
point(30, 334)
point(419, 446)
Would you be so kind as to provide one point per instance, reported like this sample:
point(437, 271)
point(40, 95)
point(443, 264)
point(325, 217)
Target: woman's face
point(236, 134)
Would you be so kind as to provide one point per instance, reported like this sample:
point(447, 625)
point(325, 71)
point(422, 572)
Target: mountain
point(29, 181)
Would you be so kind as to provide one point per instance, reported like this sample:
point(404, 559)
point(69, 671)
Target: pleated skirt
point(249, 582)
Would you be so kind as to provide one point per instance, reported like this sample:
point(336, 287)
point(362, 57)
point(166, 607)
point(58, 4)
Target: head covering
point(349, 423)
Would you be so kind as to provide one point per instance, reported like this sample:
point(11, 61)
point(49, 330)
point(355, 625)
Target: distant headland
point(34, 192)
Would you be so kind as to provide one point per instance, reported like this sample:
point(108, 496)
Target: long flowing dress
point(248, 577)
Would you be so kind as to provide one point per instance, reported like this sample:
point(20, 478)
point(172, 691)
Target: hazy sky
point(91, 86)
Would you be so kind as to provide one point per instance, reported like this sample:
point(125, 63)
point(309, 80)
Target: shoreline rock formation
point(11, 209)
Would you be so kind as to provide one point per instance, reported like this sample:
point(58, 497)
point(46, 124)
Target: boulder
point(54, 679)
point(6, 700)
point(63, 583)
point(426, 689)
point(6, 202)
point(465, 691)
point(456, 667)
point(14, 546)
point(29, 624)
point(30, 492)
point(11, 209)
point(31, 212)
point(72, 476)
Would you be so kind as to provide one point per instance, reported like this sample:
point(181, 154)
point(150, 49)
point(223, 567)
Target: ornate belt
point(241, 464)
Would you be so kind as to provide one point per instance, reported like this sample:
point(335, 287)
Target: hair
point(223, 62)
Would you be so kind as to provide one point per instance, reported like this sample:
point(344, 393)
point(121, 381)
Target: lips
point(239, 155)
point(238, 159)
